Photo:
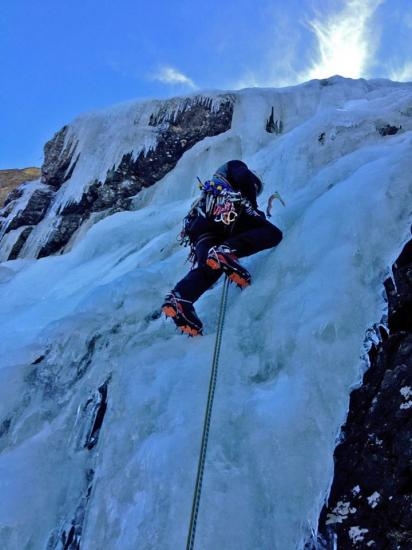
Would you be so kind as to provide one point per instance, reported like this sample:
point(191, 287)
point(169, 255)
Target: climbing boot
point(182, 313)
point(222, 257)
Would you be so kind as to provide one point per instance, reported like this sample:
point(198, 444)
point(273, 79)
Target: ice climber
point(224, 224)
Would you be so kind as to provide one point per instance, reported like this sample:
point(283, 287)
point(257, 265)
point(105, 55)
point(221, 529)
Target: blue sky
point(60, 58)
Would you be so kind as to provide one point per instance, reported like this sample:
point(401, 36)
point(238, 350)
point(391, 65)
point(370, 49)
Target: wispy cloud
point(170, 75)
point(345, 42)
point(402, 74)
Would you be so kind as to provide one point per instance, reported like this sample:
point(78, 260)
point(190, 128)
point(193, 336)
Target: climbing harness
point(206, 424)
point(219, 203)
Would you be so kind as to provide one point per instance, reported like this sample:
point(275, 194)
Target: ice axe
point(275, 195)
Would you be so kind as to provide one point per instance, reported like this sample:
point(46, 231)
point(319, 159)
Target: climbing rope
point(206, 425)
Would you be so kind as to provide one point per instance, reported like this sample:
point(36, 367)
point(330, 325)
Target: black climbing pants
point(249, 235)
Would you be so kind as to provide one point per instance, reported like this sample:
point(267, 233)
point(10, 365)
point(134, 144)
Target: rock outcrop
point(176, 132)
point(58, 166)
point(370, 502)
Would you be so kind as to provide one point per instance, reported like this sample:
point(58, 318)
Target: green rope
point(206, 425)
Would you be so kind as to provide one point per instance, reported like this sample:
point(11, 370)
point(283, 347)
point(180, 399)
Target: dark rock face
point(62, 232)
point(18, 245)
point(92, 414)
point(272, 126)
point(57, 160)
point(34, 210)
point(13, 216)
point(388, 130)
point(370, 502)
point(176, 133)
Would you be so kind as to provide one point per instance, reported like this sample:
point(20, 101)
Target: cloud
point(345, 41)
point(402, 74)
point(341, 42)
point(170, 75)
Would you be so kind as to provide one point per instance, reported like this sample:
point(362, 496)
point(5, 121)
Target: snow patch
point(357, 534)
point(406, 393)
point(374, 499)
point(356, 491)
point(340, 513)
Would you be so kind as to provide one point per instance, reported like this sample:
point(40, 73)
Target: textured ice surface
point(292, 348)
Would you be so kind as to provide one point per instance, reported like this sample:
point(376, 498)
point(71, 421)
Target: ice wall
point(82, 340)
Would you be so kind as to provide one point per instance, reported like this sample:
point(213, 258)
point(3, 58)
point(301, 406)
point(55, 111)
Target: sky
point(61, 59)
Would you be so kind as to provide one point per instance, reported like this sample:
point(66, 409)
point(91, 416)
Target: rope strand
point(206, 425)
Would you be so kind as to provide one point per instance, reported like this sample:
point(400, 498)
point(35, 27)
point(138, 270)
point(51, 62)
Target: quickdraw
point(221, 202)
point(227, 217)
point(225, 212)
point(224, 209)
